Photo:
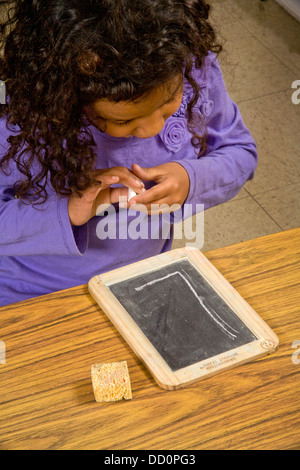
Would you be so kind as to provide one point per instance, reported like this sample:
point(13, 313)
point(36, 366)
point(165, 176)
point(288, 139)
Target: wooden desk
point(46, 397)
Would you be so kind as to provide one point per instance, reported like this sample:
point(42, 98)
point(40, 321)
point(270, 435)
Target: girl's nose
point(150, 126)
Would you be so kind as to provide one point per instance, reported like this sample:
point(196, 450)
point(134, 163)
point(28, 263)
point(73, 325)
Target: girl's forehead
point(127, 110)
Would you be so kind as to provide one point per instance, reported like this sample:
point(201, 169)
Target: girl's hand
point(172, 188)
point(82, 209)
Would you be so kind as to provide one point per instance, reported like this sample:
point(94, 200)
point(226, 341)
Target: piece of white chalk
point(131, 194)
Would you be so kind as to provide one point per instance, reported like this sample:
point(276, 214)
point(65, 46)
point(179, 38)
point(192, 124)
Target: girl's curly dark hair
point(61, 55)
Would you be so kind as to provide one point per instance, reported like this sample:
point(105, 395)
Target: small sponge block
point(111, 381)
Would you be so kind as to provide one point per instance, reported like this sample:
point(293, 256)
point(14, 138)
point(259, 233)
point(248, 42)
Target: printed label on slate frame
point(217, 363)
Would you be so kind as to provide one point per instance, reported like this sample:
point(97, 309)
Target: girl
point(102, 96)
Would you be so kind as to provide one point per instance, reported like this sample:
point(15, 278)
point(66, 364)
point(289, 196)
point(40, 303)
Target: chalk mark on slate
point(183, 316)
point(215, 317)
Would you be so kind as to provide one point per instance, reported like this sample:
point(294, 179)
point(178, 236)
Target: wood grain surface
point(46, 396)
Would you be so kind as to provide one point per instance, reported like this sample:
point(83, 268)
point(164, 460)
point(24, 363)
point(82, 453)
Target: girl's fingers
point(118, 195)
point(162, 206)
point(106, 180)
point(131, 181)
point(109, 196)
point(148, 174)
point(126, 177)
point(152, 195)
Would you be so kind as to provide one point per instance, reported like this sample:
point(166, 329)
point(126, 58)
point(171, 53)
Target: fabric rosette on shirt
point(175, 132)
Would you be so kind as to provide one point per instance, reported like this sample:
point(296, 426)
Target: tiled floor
point(260, 62)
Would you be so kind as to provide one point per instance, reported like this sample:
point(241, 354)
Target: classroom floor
point(261, 60)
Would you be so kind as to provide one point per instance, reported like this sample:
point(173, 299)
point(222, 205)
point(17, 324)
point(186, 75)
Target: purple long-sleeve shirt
point(40, 251)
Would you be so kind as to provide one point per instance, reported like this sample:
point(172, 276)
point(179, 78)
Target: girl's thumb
point(146, 174)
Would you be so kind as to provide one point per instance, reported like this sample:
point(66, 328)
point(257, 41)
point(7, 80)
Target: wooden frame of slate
point(181, 317)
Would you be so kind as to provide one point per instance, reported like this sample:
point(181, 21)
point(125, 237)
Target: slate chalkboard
point(178, 310)
point(181, 317)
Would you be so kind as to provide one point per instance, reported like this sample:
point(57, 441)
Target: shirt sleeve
point(35, 229)
point(231, 158)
